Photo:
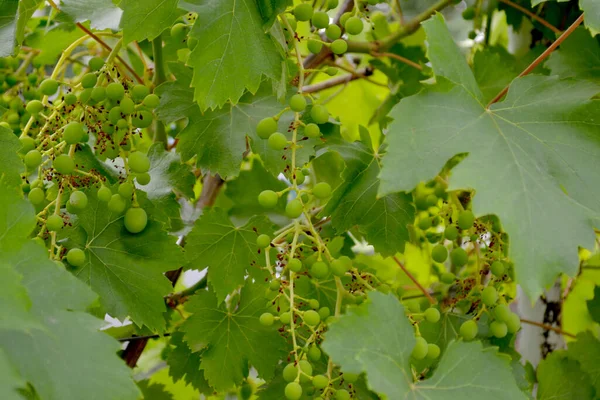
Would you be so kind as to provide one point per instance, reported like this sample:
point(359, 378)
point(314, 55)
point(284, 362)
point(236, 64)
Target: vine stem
point(532, 16)
point(541, 58)
point(416, 282)
point(548, 327)
point(399, 58)
point(338, 80)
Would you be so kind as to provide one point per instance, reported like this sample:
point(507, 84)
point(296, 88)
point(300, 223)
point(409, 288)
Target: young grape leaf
point(384, 220)
point(378, 339)
point(591, 9)
point(154, 391)
point(125, 269)
point(233, 339)
point(560, 377)
point(185, 364)
point(594, 305)
point(586, 350)
point(578, 57)
point(530, 157)
point(102, 14)
point(227, 250)
point(269, 9)
point(52, 43)
point(231, 42)
point(14, 16)
point(147, 19)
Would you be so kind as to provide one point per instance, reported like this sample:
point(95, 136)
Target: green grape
point(333, 32)
point(78, 200)
point(320, 20)
point(34, 107)
point(345, 16)
point(448, 278)
point(114, 115)
point(122, 124)
point(290, 372)
point(27, 144)
point(513, 323)
point(472, 35)
point(350, 377)
point(73, 133)
point(498, 329)
point(268, 199)
point(432, 315)
point(314, 46)
point(246, 391)
point(151, 101)
point(266, 127)
point(303, 12)
point(294, 209)
point(468, 330)
point(143, 179)
point(135, 220)
point(293, 390)
point(116, 204)
point(331, 71)
point(98, 93)
point(126, 190)
point(314, 353)
point(274, 285)
point(312, 317)
point(266, 319)
point(420, 350)
point(295, 265)
point(115, 91)
point(307, 369)
point(179, 32)
point(36, 196)
point(465, 219)
point(104, 194)
point(319, 270)
point(425, 223)
point(312, 130)
point(48, 87)
point(469, 13)
point(339, 267)
point(32, 159)
point(300, 180)
point(277, 141)
point(285, 317)
point(298, 102)
point(497, 268)
point(322, 190)
point(85, 95)
point(331, 4)
point(324, 313)
point(339, 46)
point(70, 99)
point(89, 80)
point(138, 162)
point(319, 114)
point(320, 382)
point(263, 241)
point(353, 25)
point(451, 232)
point(342, 394)
point(54, 223)
point(76, 257)
point(127, 106)
point(96, 63)
point(414, 306)
point(459, 257)
point(139, 92)
point(439, 253)
point(489, 296)
point(64, 164)
point(502, 313)
point(431, 200)
point(433, 351)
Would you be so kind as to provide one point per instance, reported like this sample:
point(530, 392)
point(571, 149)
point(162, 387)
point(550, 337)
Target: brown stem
point(339, 80)
point(399, 58)
point(541, 58)
point(532, 16)
point(134, 338)
point(412, 278)
point(548, 327)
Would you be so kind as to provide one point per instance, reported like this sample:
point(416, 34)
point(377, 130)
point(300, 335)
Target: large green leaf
point(233, 339)
point(11, 165)
point(53, 42)
point(586, 350)
point(10, 380)
point(378, 339)
point(562, 378)
point(269, 9)
point(231, 43)
point(227, 250)
point(185, 364)
point(592, 14)
point(530, 157)
point(177, 97)
point(8, 19)
point(593, 305)
point(578, 57)
point(147, 19)
point(102, 14)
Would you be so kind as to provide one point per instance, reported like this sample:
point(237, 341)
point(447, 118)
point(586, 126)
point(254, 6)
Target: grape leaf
point(147, 19)
point(185, 364)
point(17, 219)
point(586, 350)
point(269, 9)
point(377, 338)
point(52, 43)
point(176, 97)
point(594, 305)
point(578, 57)
point(227, 250)
point(154, 391)
point(233, 339)
point(124, 269)
point(560, 377)
point(14, 301)
point(168, 175)
point(592, 15)
point(8, 18)
point(231, 42)
point(11, 165)
point(492, 80)
point(529, 158)
point(384, 220)
point(10, 380)
point(102, 14)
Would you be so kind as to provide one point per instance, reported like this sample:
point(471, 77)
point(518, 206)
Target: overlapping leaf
point(586, 350)
point(11, 165)
point(578, 57)
point(530, 157)
point(14, 15)
point(102, 14)
point(185, 364)
point(147, 19)
point(560, 377)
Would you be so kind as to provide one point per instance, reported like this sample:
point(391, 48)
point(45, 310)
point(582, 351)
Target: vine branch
point(548, 327)
point(415, 281)
point(532, 16)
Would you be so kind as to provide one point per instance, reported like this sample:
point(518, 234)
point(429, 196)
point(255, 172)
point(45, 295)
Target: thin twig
point(541, 58)
point(146, 337)
point(548, 327)
point(532, 16)
point(399, 58)
point(412, 278)
point(338, 80)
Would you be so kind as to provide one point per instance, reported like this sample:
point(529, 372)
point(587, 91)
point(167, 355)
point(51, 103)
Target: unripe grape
point(116, 204)
point(307, 369)
point(34, 107)
point(143, 178)
point(266, 127)
point(297, 102)
point(459, 257)
point(293, 390)
point(431, 200)
point(54, 223)
point(290, 372)
point(489, 296)
point(267, 319)
point(36, 196)
point(76, 257)
point(85, 96)
point(73, 133)
point(78, 200)
point(312, 317)
point(320, 20)
point(468, 330)
point(498, 329)
point(320, 382)
point(268, 198)
point(285, 317)
point(345, 16)
point(294, 209)
point(314, 46)
point(127, 106)
point(314, 353)
point(354, 26)
point(465, 219)
point(502, 312)
point(342, 394)
point(274, 285)
point(115, 91)
point(432, 315)
point(338, 267)
point(98, 93)
point(95, 63)
point(27, 144)
point(513, 323)
point(322, 190)
point(138, 162)
point(312, 130)
point(324, 313)
point(126, 190)
point(295, 265)
point(32, 159)
point(331, 4)
point(104, 194)
point(331, 71)
point(139, 92)
point(319, 270)
point(420, 350)
point(414, 306)
point(303, 12)
point(433, 351)
point(319, 114)
point(48, 87)
point(339, 46)
point(469, 13)
point(277, 141)
point(350, 377)
point(333, 32)
point(89, 80)
point(64, 164)
point(497, 268)
point(425, 223)
point(439, 253)
point(179, 31)
point(472, 35)
point(70, 99)
point(451, 232)
point(136, 219)
point(263, 241)
point(151, 101)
